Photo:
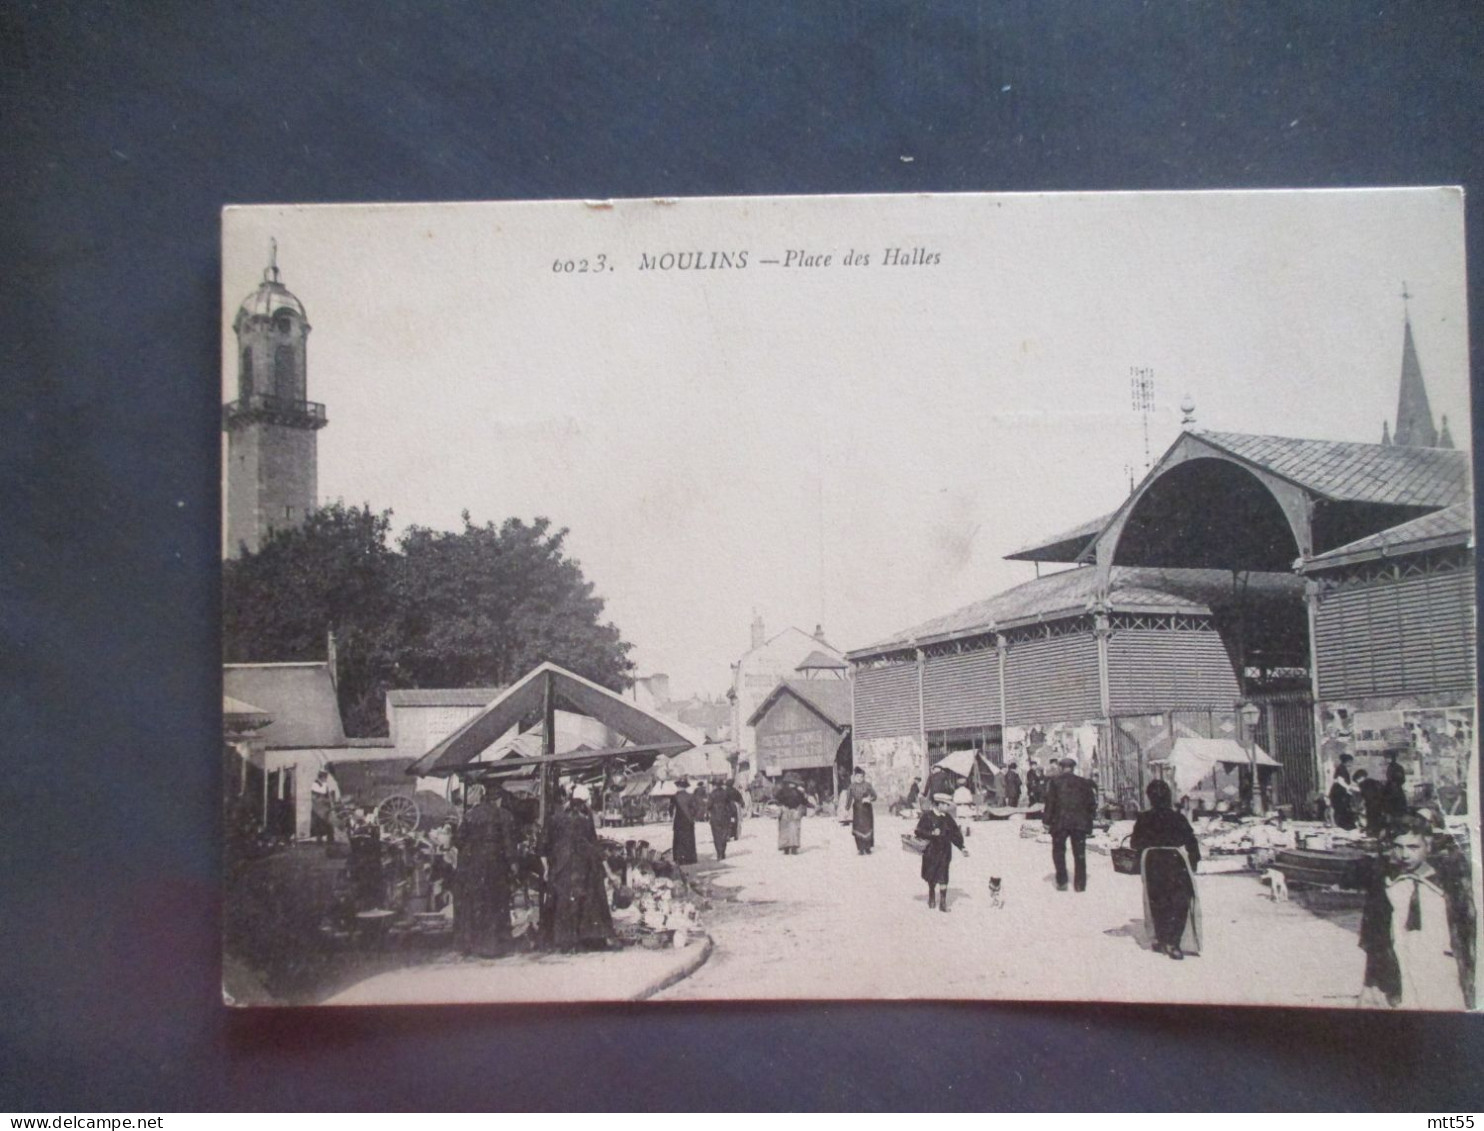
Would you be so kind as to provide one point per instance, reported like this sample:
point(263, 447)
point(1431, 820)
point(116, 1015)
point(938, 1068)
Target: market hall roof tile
point(1357, 473)
point(1067, 546)
point(1451, 526)
point(1072, 592)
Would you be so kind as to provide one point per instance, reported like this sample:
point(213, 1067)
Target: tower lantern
point(272, 454)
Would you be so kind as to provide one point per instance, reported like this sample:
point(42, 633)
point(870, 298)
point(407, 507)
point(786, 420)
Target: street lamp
point(1251, 714)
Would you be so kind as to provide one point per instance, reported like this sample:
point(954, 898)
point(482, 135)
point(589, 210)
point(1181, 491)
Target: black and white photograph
point(1022, 597)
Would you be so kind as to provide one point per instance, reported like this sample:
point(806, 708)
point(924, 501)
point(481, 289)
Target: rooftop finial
point(1406, 294)
point(1187, 411)
point(272, 260)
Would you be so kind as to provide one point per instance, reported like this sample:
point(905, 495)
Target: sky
point(852, 446)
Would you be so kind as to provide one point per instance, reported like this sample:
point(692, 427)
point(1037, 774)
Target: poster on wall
point(652, 552)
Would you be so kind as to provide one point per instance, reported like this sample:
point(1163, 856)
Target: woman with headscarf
point(862, 814)
point(574, 876)
point(485, 841)
point(792, 801)
point(1168, 857)
point(683, 837)
point(941, 832)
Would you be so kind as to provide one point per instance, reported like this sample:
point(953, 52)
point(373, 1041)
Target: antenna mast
point(1141, 388)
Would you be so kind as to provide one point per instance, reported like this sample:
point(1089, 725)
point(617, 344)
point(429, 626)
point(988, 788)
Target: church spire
point(1414, 424)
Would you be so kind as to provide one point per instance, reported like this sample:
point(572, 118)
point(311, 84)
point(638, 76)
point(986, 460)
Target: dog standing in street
point(996, 893)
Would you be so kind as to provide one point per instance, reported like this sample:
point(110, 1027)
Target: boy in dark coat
point(942, 833)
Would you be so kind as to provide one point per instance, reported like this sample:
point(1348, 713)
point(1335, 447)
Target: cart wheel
point(397, 816)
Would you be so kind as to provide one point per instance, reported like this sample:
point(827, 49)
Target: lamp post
point(1251, 714)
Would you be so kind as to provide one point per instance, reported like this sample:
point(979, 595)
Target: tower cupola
point(272, 473)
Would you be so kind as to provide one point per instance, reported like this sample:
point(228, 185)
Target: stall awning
point(700, 762)
point(1194, 758)
point(522, 705)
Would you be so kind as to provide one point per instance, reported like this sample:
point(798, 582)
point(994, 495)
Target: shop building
point(802, 727)
point(1394, 650)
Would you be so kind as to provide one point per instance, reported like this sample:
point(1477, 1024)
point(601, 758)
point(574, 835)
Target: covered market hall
point(1191, 611)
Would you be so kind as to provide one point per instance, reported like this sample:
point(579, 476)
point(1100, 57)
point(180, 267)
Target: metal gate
point(1286, 731)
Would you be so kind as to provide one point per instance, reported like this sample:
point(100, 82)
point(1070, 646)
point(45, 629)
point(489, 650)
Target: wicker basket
point(915, 845)
point(1125, 859)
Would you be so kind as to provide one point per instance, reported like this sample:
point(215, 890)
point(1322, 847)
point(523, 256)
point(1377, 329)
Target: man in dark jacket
point(1071, 802)
point(1011, 786)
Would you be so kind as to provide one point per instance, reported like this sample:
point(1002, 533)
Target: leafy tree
point(334, 573)
point(478, 607)
point(486, 604)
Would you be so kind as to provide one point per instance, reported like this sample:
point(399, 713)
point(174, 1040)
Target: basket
point(1125, 859)
point(913, 844)
point(630, 934)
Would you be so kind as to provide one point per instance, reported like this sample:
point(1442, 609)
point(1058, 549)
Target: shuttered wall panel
point(1396, 637)
point(1152, 670)
point(1052, 681)
point(963, 690)
point(886, 701)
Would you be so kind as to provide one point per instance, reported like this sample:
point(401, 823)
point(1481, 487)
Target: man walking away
point(1071, 802)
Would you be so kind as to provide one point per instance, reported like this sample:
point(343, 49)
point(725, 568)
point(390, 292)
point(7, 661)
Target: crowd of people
point(1417, 926)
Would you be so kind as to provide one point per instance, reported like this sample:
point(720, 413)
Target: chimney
point(659, 687)
point(758, 636)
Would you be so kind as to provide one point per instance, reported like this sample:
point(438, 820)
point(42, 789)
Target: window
point(244, 375)
point(283, 373)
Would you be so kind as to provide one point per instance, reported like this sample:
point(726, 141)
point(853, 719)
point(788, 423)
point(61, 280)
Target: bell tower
point(272, 453)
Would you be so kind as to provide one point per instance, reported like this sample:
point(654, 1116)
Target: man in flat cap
point(1071, 802)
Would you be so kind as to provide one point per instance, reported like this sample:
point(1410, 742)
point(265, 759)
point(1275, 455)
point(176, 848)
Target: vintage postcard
point(1034, 597)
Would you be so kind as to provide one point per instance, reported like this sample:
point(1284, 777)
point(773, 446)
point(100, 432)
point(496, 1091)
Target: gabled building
point(802, 727)
point(759, 670)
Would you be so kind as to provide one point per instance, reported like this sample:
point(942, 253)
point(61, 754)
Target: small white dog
point(1278, 882)
point(996, 892)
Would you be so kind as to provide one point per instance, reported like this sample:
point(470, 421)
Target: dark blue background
point(127, 127)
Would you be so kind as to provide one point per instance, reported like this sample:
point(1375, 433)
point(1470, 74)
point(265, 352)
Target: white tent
point(961, 762)
point(1194, 759)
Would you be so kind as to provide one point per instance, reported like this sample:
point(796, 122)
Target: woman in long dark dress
point(683, 841)
point(862, 814)
point(1168, 857)
point(481, 882)
point(942, 833)
point(579, 899)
